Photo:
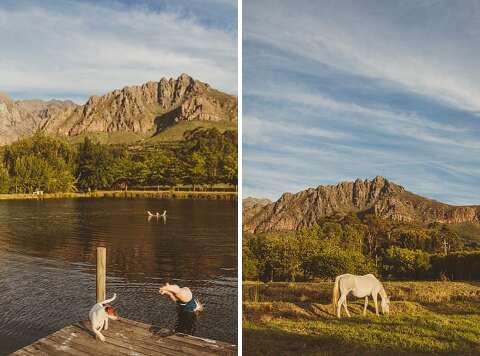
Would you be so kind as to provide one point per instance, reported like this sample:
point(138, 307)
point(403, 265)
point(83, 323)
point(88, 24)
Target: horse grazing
point(361, 287)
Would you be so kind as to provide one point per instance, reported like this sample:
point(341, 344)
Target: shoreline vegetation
point(130, 194)
point(204, 163)
point(426, 317)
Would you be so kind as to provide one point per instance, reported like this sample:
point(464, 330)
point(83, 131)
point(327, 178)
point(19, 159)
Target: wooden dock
point(124, 337)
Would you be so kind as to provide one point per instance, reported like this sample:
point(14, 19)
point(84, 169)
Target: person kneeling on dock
point(188, 307)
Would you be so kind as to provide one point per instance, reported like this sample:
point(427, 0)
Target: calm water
point(47, 263)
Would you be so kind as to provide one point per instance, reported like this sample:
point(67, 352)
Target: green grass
point(108, 138)
point(175, 132)
point(469, 233)
point(425, 318)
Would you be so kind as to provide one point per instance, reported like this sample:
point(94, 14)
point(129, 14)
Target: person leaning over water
point(187, 307)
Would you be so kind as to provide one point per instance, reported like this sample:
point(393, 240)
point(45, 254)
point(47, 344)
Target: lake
point(47, 263)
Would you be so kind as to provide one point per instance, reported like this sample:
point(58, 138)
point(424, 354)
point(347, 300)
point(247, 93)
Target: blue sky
point(74, 49)
point(339, 90)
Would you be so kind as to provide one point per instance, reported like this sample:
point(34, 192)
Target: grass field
point(171, 134)
point(426, 318)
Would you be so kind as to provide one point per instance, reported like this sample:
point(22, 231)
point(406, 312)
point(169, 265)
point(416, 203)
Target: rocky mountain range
point(24, 117)
point(378, 196)
point(145, 109)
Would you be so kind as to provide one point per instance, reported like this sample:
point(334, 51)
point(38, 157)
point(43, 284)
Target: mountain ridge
point(20, 118)
point(146, 109)
point(379, 196)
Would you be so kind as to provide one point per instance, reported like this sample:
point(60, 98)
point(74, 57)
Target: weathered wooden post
point(101, 273)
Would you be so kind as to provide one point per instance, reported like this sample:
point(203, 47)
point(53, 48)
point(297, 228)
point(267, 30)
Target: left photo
point(118, 177)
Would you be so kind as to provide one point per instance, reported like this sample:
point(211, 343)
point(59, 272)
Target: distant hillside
point(24, 117)
point(378, 196)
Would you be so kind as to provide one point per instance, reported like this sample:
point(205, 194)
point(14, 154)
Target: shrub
point(334, 262)
point(405, 263)
point(457, 266)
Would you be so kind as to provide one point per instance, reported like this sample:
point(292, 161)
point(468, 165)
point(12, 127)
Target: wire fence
point(183, 188)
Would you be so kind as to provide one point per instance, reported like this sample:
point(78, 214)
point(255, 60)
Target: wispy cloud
point(411, 44)
point(77, 49)
point(339, 90)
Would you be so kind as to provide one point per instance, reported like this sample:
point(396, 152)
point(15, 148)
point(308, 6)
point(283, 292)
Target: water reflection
point(47, 256)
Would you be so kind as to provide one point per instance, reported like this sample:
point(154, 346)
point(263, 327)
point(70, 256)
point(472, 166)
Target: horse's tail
point(335, 293)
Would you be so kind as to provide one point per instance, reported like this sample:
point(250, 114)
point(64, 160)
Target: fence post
point(101, 273)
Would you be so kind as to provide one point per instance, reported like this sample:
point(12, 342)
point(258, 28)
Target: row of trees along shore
point(204, 157)
point(360, 245)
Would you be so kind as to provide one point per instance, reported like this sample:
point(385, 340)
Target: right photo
point(361, 156)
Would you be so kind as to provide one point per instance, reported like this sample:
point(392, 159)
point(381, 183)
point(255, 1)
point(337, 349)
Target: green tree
point(40, 162)
point(95, 166)
point(405, 263)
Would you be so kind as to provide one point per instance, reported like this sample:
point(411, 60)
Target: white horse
point(360, 287)
point(164, 215)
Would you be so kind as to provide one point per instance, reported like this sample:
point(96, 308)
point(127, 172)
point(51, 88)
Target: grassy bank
point(132, 194)
point(425, 318)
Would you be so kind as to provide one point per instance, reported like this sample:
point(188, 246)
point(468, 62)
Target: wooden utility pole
point(101, 273)
point(445, 246)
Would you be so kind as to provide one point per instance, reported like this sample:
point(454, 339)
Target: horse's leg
point(374, 296)
point(346, 309)
point(339, 305)
point(365, 307)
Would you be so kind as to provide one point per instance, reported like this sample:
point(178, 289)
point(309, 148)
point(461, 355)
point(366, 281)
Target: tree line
point(50, 164)
point(360, 245)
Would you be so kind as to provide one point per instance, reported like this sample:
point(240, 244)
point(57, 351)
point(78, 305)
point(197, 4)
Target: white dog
point(99, 315)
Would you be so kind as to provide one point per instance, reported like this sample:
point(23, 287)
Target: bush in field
point(405, 263)
point(457, 266)
point(277, 256)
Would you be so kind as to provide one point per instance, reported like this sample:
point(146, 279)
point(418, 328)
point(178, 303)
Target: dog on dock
point(99, 315)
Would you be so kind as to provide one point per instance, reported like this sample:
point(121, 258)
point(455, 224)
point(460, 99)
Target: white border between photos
point(240, 175)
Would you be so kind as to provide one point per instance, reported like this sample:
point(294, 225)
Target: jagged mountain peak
point(378, 196)
point(146, 108)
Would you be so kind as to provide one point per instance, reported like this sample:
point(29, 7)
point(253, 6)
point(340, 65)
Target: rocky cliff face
point(378, 196)
point(146, 109)
point(24, 117)
point(252, 206)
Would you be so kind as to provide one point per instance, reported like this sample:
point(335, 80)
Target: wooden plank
point(138, 337)
point(191, 339)
point(143, 332)
point(115, 335)
point(22, 352)
point(101, 273)
point(188, 343)
point(201, 344)
point(88, 345)
point(122, 347)
point(124, 337)
point(28, 349)
point(59, 349)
